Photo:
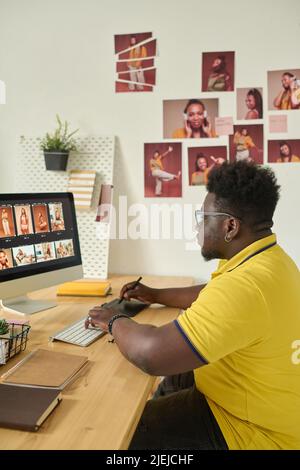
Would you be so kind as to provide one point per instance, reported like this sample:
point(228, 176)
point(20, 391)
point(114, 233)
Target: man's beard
point(208, 255)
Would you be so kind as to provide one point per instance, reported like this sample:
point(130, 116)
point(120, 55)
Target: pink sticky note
point(278, 123)
point(224, 125)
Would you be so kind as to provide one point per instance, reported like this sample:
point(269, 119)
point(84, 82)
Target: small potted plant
point(57, 146)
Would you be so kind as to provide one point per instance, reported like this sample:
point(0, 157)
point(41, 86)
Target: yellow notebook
point(85, 288)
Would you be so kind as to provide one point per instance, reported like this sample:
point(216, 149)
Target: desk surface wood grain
point(101, 408)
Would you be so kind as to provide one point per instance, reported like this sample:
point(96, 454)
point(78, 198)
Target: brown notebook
point(26, 408)
point(45, 368)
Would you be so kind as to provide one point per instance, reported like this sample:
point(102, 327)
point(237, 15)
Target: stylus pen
point(133, 287)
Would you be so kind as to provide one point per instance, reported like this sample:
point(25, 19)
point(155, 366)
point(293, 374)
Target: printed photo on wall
point(247, 143)
point(6, 261)
point(218, 71)
point(284, 89)
point(7, 226)
point(249, 102)
point(202, 160)
point(23, 220)
point(190, 118)
point(135, 62)
point(162, 170)
point(284, 151)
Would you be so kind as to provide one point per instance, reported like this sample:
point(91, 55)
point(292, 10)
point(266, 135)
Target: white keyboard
point(78, 334)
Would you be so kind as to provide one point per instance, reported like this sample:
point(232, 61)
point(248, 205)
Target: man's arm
point(180, 297)
point(156, 350)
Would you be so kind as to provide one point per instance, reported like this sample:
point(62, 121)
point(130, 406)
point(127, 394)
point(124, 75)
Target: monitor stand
point(25, 306)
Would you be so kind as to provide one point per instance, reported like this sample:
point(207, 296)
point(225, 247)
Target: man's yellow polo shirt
point(244, 323)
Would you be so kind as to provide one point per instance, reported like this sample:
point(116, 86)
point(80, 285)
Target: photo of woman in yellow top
point(219, 78)
point(196, 122)
point(135, 65)
point(243, 142)
point(254, 104)
point(286, 154)
point(202, 168)
point(157, 170)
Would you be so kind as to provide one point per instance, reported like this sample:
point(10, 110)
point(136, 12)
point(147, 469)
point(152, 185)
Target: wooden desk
point(101, 408)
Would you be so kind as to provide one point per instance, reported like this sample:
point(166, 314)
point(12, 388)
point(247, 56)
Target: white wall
point(56, 56)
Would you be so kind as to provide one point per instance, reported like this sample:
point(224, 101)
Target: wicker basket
point(14, 342)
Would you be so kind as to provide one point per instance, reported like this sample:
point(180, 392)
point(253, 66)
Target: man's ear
point(232, 228)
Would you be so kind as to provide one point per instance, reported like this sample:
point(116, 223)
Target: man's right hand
point(140, 292)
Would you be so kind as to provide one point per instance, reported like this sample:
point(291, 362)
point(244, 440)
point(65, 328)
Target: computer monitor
point(39, 247)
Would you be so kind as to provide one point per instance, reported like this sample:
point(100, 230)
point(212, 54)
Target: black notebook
point(129, 307)
point(26, 408)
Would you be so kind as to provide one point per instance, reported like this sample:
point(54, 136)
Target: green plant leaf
point(60, 140)
point(4, 327)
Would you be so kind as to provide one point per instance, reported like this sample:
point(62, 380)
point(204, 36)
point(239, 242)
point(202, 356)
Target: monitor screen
point(38, 234)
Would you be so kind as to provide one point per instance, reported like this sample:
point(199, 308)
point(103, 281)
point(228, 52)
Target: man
point(135, 64)
point(289, 96)
point(237, 332)
point(219, 79)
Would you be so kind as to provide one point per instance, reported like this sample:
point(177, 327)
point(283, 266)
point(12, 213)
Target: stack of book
point(85, 288)
point(31, 389)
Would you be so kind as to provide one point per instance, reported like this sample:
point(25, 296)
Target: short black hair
point(246, 190)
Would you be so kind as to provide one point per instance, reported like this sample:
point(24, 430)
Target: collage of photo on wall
point(198, 117)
